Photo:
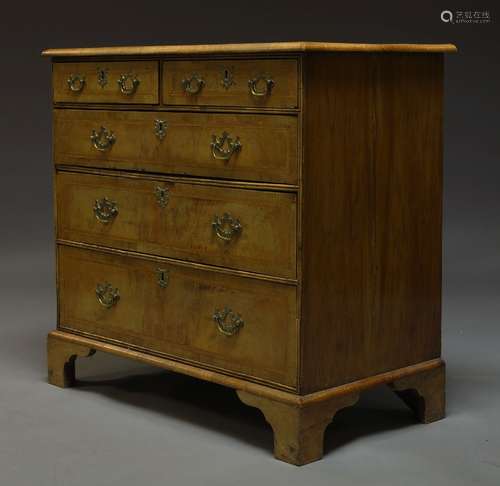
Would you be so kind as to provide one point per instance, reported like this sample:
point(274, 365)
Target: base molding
point(298, 421)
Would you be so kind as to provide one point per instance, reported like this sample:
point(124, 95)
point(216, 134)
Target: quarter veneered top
point(270, 47)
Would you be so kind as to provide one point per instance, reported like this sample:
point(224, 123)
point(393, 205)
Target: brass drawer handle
point(218, 150)
point(103, 139)
point(193, 85)
point(228, 322)
point(261, 85)
point(105, 210)
point(226, 227)
point(76, 82)
point(107, 295)
point(128, 84)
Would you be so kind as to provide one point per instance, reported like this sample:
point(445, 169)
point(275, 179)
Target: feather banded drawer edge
point(262, 216)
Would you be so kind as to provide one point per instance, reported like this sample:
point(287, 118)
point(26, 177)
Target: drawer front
point(257, 147)
point(235, 228)
point(238, 324)
point(266, 83)
point(106, 82)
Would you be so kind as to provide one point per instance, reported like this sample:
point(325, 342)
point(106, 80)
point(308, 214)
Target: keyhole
point(162, 277)
point(227, 79)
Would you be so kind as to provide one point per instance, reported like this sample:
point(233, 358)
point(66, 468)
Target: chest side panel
point(371, 215)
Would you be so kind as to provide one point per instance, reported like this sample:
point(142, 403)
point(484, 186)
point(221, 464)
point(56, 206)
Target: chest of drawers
point(262, 216)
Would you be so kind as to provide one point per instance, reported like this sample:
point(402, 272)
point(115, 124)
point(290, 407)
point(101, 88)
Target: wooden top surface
point(271, 47)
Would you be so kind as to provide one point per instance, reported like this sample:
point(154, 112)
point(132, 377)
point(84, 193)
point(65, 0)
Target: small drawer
point(105, 82)
point(235, 228)
point(266, 83)
point(237, 324)
point(245, 147)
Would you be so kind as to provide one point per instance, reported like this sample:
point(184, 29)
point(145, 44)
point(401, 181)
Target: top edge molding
point(254, 48)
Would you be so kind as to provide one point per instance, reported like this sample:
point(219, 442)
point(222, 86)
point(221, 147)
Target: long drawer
point(106, 82)
point(235, 228)
point(237, 324)
point(243, 146)
point(262, 83)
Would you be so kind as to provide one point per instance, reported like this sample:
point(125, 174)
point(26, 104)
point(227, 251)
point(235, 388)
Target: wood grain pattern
point(299, 428)
point(268, 153)
point(160, 260)
point(372, 277)
point(247, 48)
point(282, 71)
point(178, 319)
point(408, 208)
point(298, 422)
point(336, 263)
point(338, 187)
point(159, 109)
point(61, 356)
point(146, 72)
point(183, 228)
point(272, 393)
point(204, 181)
point(298, 431)
point(424, 393)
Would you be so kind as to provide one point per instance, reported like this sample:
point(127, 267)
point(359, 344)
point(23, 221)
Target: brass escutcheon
point(162, 196)
point(102, 77)
point(160, 128)
point(163, 277)
point(227, 79)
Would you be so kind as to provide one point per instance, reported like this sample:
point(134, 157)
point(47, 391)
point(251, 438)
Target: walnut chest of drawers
point(262, 216)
